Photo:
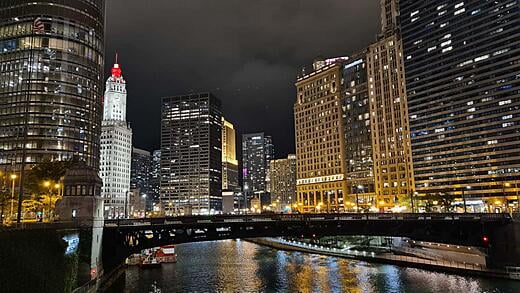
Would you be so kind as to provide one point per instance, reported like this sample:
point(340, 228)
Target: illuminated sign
point(322, 179)
point(335, 60)
point(357, 62)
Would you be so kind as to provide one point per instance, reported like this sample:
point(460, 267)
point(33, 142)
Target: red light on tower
point(116, 70)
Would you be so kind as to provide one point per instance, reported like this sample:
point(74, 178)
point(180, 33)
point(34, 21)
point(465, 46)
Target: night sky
point(247, 52)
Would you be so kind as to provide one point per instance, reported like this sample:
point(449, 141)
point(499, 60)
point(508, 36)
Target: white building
point(116, 147)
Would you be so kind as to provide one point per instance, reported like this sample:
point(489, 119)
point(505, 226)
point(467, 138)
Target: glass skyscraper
point(462, 63)
point(51, 80)
point(257, 150)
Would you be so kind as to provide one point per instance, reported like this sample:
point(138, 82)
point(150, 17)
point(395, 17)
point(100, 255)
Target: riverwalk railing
point(387, 256)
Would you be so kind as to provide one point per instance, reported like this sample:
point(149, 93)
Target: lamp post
point(57, 186)
point(464, 198)
point(412, 193)
point(47, 184)
point(504, 186)
point(357, 196)
point(13, 178)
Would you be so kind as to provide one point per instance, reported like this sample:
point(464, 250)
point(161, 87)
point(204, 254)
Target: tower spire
point(116, 70)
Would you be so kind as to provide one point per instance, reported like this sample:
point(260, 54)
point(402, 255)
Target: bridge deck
point(219, 219)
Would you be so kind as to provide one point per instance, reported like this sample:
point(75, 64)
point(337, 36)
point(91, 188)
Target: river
point(240, 266)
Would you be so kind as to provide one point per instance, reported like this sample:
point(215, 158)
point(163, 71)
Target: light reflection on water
point(239, 266)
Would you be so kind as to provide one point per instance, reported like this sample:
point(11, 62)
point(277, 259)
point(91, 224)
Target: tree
point(432, 200)
point(47, 170)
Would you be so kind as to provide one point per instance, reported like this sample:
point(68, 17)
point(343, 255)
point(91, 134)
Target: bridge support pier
point(82, 205)
point(504, 245)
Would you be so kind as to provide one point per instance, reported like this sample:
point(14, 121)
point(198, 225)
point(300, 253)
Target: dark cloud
point(248, 52)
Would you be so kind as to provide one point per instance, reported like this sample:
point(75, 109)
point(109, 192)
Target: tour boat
point(150, 262)
point(166, 254)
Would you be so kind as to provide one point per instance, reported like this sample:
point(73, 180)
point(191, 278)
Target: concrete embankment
point(387, 258)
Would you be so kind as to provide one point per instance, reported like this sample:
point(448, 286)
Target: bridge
point(122, 237)
point(85, 250)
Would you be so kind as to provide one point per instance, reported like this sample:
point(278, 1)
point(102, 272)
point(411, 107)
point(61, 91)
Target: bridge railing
point(484, 217)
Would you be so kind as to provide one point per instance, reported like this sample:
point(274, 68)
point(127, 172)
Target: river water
point(240, 266)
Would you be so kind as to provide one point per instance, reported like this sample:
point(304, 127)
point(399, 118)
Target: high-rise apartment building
point(51, 81)
point(320, 144)
point(282, 180)
point(462, 61)
point(141, 171)
point(116, 147)
point(191, 154)
point(257, 150)
point(229, 157)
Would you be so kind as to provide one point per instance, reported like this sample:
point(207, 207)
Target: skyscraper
point(141, 171)
point(463, 83)
point(155, 176)
point(257, 150)
point(116, 147)
point(282, 180)
point(392, 154)
point(320, 144)
point(191, 154)
point(359, 153)
point(229, 157)
point(368, 156)
point(51, 80)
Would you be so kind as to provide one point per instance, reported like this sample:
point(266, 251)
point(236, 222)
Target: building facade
point(141, 171)
point(463, 84)
point(229, 157)
point(155, 176)
point(116, 147)
point(257, 150)
point(51, 81)
point(359, 152)
point(390, 132)
point(320, 145)
point(282, 181)
point(191, 154)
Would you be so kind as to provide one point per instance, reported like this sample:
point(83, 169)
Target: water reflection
point(240, 266)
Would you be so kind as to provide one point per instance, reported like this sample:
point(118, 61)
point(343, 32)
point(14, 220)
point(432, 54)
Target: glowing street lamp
point(47, 184)
point(13, 178)
point(464, 198)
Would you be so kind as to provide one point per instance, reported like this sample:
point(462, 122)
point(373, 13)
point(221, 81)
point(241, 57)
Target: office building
point(257, 150)
point(141, 171)
point(462, 73)
point(229, 157)
point(359, 155)
point(116, 147)
point(191, 154)
point(282, 181)
point(51, 81)
point(320, 145)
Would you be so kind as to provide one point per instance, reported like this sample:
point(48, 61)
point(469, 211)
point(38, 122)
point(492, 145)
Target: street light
point(13, 178)
point(507, 184)
point(464, 198)
point(47, 184)
point(357, 196)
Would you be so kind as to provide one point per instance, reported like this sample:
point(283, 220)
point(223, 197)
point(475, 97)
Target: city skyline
point(259, 146)
point(248, 78)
